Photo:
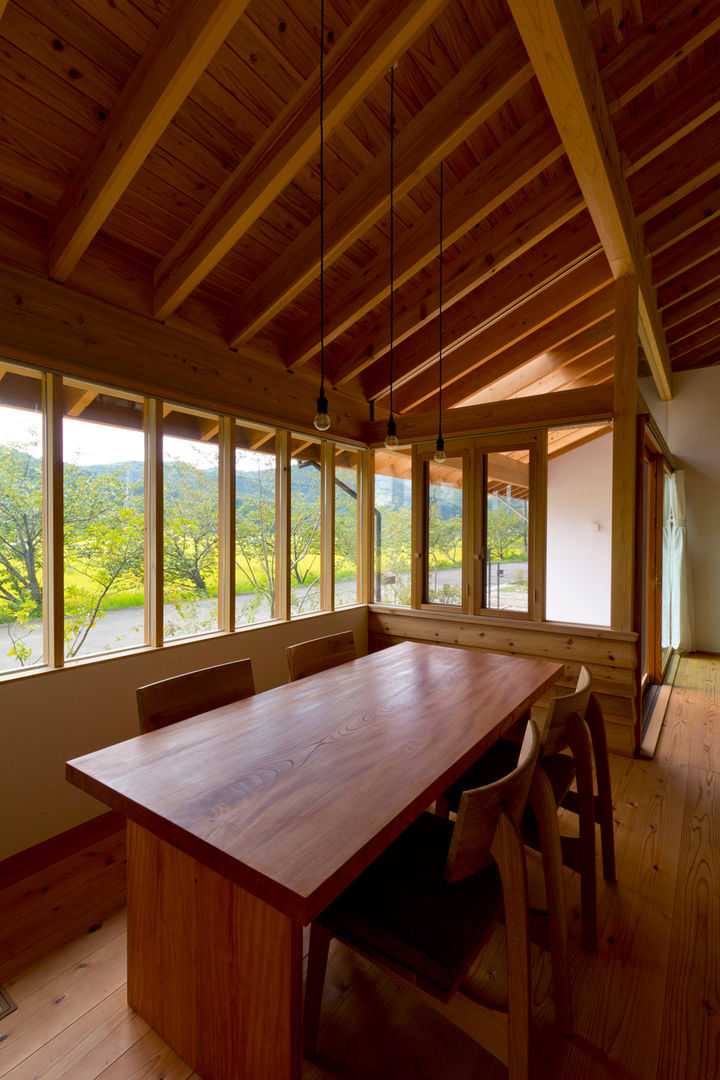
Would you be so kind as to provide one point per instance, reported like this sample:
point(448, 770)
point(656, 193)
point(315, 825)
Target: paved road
point(123, 629)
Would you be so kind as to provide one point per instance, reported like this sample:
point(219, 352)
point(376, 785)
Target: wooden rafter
point(556, 38)
point(176, 57)
point(381, 33)
point(476, 92)
point(511, 261)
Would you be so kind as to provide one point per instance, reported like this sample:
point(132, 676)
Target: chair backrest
point(480, 809)
point(562, 711)
point(321, 653)
point(170, 700)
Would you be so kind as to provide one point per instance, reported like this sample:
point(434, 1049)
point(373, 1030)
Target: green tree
point(255, 540)
point(505, 528)
point(104, 552)
point(191, 527)
point(20, 533)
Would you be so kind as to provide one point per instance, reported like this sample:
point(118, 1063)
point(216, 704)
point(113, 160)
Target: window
point(347, 545)
point(393, 526)
point(103, 518)
point(21, 518)
point(190, 526)
point(443, 531)
point(305, 525)
point(504, 529)
point(255, 487)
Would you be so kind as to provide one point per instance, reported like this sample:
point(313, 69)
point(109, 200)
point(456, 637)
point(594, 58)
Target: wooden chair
point(603, 793)
point(564, 728)
point(309, 657)
point(166, 702)
point(425, 907)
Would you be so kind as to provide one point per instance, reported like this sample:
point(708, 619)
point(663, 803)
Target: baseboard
point(39, 857)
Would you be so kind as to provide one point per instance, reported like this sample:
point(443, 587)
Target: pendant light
point(322, 418)
point(440, 454)
point(391, 439)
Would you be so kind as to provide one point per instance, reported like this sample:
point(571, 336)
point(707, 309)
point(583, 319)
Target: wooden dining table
point(243, 823)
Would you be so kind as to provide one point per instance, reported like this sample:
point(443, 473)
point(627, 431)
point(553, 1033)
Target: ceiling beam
point(472, 373)
point(511, 260)
point(542, 410)
point(383, 30)
point(559, 47)
point(469, 341)
point(479, 89)
point(487, 187)
point(176, 57)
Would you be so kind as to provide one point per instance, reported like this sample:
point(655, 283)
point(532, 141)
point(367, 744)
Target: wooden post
point(366, 528)
point(282, 527)
point(226, 566)
point(538, 475)
point(327, 525)
point(53, 522)
point(154, 571)
point(624, 452)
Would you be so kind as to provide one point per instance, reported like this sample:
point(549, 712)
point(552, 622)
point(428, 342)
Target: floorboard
point(647, 1004)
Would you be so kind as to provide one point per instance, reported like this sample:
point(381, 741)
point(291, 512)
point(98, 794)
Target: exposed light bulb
point(322, 419)
point(391, 439)
point(440, 454)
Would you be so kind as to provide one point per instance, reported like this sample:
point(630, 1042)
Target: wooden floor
point(647, 1004)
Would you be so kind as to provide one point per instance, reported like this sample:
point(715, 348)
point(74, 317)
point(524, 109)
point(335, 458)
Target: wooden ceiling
point(164, 157)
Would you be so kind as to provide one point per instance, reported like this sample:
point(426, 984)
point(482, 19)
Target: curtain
point(680, 598)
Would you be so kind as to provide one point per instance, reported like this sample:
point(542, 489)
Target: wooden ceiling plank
point(363, 55)
point(465, 332)
point(657, 48)
point(471, 371)
point(683, 169)
point(483, 191)
point(166, 73)
point(688, 215)
point(654, 129)
point(690, 258)
point(477, 91)
point(698, 359)
point(558, 44)
point(693, 305)
point(700, 339)
point(526, 249)
point(567, 377)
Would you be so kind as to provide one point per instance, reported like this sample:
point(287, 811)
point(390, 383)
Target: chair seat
point(402, 913)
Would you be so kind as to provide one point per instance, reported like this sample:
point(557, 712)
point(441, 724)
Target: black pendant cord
point(440, 318)
point(322, 199)
point(391, 427)
point(322, 419)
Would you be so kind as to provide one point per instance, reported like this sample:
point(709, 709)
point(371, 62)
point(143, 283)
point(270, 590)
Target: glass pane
point(21, 522)
point(393, 526)
point(190, 534)
point(443, 583)
point(347, 472)
point(667, 532)
point(305, 525)
point(255, 465)
point(506, 530)
point(103, 506)
point(579, 525)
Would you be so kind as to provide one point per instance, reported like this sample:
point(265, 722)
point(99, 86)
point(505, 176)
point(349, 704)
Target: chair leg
point(603, 801)
point(579, 740)
point(320, 939)
point(509, 852)
point(542, 801)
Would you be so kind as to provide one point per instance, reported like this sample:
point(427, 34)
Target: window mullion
point(154, 572)
point(53, 521)
point(226, 567)
point(282, 526)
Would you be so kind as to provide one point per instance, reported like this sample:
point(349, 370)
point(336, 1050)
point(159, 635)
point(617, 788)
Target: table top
point(292, 792)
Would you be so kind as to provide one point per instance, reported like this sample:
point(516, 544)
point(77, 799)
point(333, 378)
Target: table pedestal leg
point(214, 970)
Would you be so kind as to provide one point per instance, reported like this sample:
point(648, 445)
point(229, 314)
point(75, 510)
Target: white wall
point(578, 556)
point(50, 717)
point(690, 424)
